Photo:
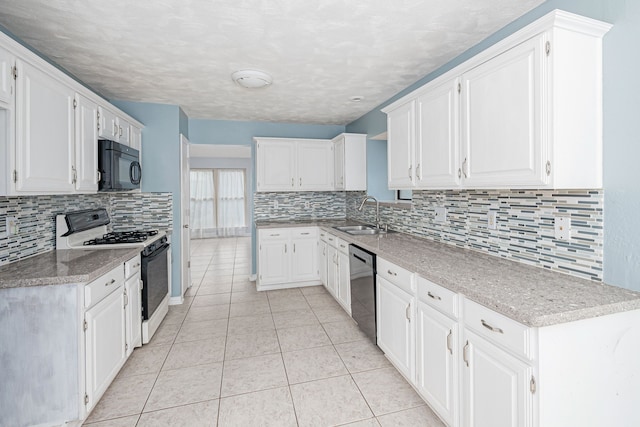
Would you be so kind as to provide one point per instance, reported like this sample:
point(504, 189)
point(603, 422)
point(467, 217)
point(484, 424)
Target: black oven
point(155, 276)
point(119, 166)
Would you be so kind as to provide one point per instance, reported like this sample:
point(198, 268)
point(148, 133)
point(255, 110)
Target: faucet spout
point(377, 208)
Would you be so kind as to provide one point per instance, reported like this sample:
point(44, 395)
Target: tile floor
point(232, 356)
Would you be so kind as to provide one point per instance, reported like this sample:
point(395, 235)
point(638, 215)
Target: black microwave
point(119, 166)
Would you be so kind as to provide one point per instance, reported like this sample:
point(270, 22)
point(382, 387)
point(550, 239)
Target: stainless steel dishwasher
point(362, 269)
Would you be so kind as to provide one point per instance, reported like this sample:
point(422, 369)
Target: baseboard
point(176, 300)
point(277, 286)
point(253, 277)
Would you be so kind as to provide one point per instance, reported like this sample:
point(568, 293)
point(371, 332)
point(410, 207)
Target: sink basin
point(348, 228)
point(364, 231)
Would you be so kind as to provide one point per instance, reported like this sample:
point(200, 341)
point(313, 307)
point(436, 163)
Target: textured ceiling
point(320, 53)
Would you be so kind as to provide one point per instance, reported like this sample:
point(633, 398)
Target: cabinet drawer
point(438, 297)
point(95, 291)
point(499, 329)
point(323, 235)
point(396, 275)
point(274, 233)
point(331, 240)
point(304, 232)
point(342, 246)
point(132, 266)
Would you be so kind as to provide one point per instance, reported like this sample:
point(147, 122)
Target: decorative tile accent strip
point(525, 226)
point(291, 206)
point(36, 216)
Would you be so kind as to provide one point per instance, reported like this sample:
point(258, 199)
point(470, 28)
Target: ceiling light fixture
point(356, 98)
point(251, 79)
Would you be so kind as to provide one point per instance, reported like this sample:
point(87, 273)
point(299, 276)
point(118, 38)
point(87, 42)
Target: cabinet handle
point(300, 182)
point(304, 234)
point(274, 235)
point(459, 172)
point(120, 128)
point(392, 273)
point(433, 296)
point(418, 175)
point(464, 167)
point(126, 299)
point(111, 282)
point(285, 248)
point(99, 175)
point(491, 328)
point(407, 313)
point(449, 342)
point(75, 174)
point(342, 246)
point(137, 265)
point(465, 356)
point(294, 248)
point(410, 175)
point(292, 182)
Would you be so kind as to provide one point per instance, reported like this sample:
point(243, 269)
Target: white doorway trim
point(185, 232)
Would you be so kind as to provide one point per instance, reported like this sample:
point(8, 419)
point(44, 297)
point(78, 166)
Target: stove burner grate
point(117, 237)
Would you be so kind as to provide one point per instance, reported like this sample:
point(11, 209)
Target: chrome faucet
point(377, 208)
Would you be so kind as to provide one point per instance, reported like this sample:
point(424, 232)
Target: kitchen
point(615, 259)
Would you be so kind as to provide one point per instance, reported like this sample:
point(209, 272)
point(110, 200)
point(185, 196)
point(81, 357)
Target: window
point(218, 203)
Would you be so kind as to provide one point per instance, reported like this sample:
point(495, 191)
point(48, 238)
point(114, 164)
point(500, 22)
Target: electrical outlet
point(11, 226)
point(441, 214)
point(275, 204)
point(492, 220)
point(562, 225)
point(307, 205)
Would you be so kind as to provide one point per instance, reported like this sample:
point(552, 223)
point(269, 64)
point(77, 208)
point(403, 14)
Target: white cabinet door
point(123, 130)
point(400, 146)
point(44, 132)
point(495, 386)
point(436, 372)
point(314, 166)
point(437, 138)
point(501, 119)
point(396, 335)
point(134, 313)
point(7, 60)
point(135, 137)
point(332, 270)
point(107, 128)
point(339, 166)
point(104, 344)
point(275, 166)
point(86, 144)
point(322, 261)
point(304, 258)
point(344, 281)
point(274, 260)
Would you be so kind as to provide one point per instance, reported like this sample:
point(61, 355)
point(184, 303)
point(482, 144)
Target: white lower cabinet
point(105, 351)
point(133, 304)
point(332, 270)
point(287, 257)
point(344, 280)
point(338, 279)
point(323, 258)
point(396, 332)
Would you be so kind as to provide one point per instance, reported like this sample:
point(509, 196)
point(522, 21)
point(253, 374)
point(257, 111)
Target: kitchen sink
point(365, 231)
point(359, 230)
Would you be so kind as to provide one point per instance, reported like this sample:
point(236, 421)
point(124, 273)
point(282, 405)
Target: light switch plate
point(307, 205)
point(492, 220)
point(441, 214)
point(275, 204)
point(11, 226)
point(562, 226)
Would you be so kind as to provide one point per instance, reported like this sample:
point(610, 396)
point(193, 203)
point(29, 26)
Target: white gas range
point(87, 229)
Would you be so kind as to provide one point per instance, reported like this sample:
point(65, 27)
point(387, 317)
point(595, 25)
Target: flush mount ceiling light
point(251, 79)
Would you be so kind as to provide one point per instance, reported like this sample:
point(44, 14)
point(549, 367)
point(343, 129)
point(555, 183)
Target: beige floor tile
point(268, 408)
point(332, 401)
point(253, 374)
point(175, 316)
point(331, 314)
point(313, 290)
point(165, 335)
point(249, 308)
point(186, 385)
point(248, 324)
point(371, 422)
point(145, 360)
point(321, 301)
point(253, 344)
point(116, 422)
point(282, 293)
point(313, 364)
point(210, 289)
point(125, 396)
point(203, 414)
point(194, 331)
point(288, 303)
point(237, 296)
point(302, 337)
point(213, 312)
point(214, 299)
point(420, 416)
point(192, 353)
point(361, 356)
point(375, 386)
point(244, 286)
point(345, 331)
point(294, 319)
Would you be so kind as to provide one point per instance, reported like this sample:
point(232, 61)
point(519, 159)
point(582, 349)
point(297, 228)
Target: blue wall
point(228, 132)
point(161, 163)
point(621, 125)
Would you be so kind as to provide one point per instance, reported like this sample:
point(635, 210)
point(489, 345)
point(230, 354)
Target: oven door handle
point(135, 172)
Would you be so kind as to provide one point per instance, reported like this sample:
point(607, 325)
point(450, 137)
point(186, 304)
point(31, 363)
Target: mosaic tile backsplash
point(291, 206)
point(525, 226)
point(36, 217)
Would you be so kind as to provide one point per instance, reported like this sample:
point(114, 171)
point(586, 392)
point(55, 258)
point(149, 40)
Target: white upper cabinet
point(86, 144)
point(294, 164)
point(7, 60)
point(135, 138)
point(436, 150)
point(528, 112)
point(123, 130)
point(107, 126)
point(401, 145)
point(44, 133)
point(350, 165)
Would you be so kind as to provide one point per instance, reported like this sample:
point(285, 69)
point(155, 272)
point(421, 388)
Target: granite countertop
point(59, 267)
point(530, 295)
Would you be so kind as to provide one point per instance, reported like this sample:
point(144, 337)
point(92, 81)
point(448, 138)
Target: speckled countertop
point(63, 267)
point(530, 295)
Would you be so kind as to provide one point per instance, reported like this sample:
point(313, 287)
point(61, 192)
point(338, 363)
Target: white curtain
point(218, 203)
